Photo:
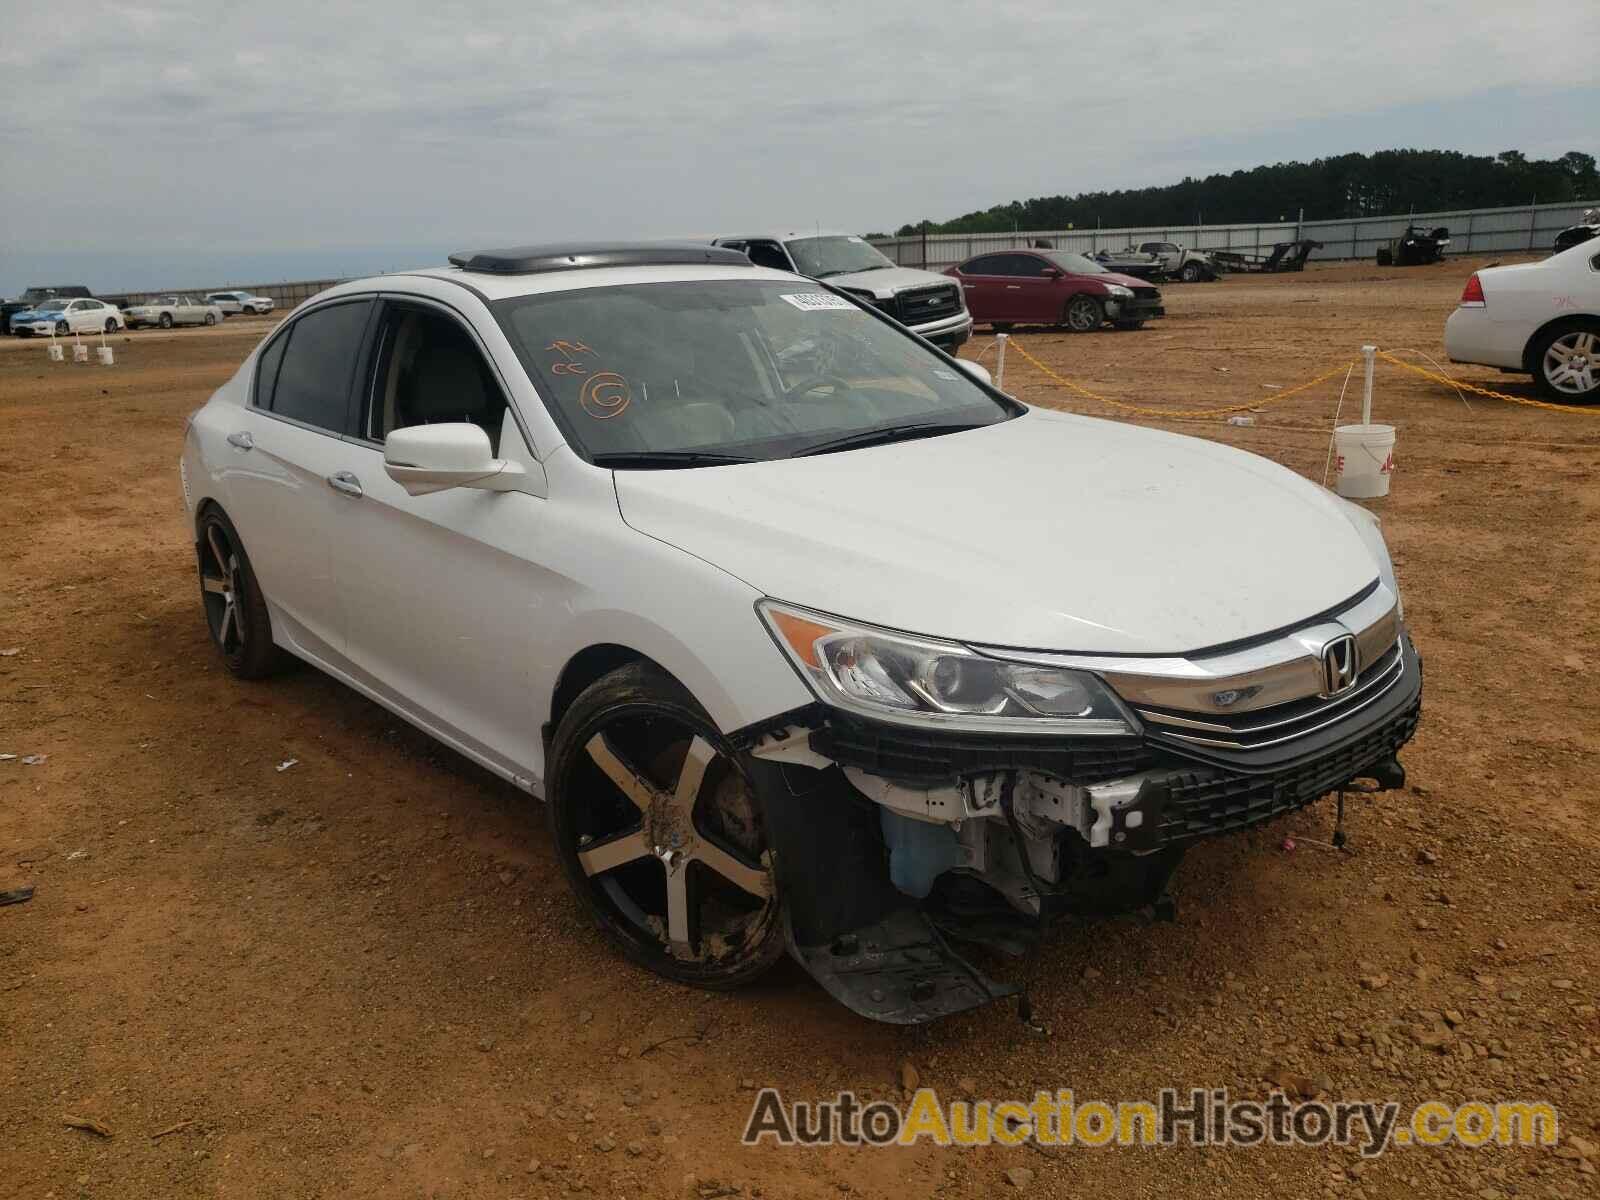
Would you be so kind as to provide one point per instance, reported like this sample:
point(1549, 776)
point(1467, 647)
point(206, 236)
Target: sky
point(148, 145)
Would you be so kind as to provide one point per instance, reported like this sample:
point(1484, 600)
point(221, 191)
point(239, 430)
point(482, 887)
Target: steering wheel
point(812, 382)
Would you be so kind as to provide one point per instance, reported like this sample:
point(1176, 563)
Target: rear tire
point(166, 321)
point(111, 324)
point(211, 318)
point(1191, 272)
point(1566, 362)
point(658, 829)
point(236, 611)
point(1084, 314)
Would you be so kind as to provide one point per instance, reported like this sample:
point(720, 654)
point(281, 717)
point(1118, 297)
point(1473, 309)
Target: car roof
point(491, 287)
point(580, 256)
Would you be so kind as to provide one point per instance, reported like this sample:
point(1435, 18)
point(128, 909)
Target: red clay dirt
point(363, 975)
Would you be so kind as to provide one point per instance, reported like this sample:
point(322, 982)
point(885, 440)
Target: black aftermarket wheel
point(660, 834)
point(236, 612)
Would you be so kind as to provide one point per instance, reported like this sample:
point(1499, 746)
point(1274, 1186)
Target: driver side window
point(430, 370)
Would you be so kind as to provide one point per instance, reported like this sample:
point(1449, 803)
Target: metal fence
point(1530, 227)
point(287, 295)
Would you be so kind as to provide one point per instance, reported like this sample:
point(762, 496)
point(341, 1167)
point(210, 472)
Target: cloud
point(297, 124)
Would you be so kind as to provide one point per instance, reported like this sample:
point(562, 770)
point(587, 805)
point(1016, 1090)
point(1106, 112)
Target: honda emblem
point(1340, 665)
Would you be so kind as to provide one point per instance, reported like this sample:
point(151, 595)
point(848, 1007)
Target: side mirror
point(435, 458)
point(1053, 272)
point(977, 370)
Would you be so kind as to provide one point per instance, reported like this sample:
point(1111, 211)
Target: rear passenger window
point(267, 370)
point(313, 379)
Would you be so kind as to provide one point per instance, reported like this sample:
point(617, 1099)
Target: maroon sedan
point(1053, 287)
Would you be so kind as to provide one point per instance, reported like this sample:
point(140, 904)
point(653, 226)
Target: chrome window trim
point(1282, 670)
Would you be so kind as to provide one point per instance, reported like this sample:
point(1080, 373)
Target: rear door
point(986, 287)
point(284, 494)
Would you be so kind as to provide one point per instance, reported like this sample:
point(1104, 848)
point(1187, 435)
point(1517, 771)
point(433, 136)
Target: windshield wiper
point(878, 437)
point(647, 459)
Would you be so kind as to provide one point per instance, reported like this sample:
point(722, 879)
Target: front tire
point(1084, 314)
point(1191, 272)
point(62, 329)
point(659, 832)
point(1566, 362)
point(236, 611)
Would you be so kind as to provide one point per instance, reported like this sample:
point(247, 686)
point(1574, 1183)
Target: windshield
point(739, 369)
point(1075, 264)
point(820, 257)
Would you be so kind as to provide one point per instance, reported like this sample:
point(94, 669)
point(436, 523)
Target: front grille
point(1280, 723)
point(904, 753)
point(921, 305)
point(1206, 802)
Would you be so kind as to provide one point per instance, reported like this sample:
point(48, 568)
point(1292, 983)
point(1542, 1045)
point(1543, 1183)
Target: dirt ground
point(363, 976)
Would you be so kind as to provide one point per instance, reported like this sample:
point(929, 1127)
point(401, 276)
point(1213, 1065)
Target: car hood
point(1048, 532)
point(1127, 281)
point(886, 281)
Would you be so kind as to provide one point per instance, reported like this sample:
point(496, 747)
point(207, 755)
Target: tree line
point(1346, 185)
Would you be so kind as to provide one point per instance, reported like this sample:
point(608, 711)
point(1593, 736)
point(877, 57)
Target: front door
point(444, 606)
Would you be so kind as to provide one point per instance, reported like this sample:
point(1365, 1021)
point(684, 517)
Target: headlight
point(1116, 289)
point(918, 681)
point(1368, 529)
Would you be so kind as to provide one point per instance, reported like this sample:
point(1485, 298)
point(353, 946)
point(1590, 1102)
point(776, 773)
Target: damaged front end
point(895, 840)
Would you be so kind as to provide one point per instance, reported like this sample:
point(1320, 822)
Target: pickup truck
point(927, 304)
point(1179, 262)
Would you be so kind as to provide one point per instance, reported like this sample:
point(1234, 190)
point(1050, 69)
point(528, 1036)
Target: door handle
point(1013, 287)
point(345, 482)
point(242, 440)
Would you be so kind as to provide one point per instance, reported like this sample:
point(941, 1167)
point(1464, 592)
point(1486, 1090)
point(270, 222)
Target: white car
point(808, 636)
point(167, 311)
point(1542, 318)
point(233, 303)
point(62, 317)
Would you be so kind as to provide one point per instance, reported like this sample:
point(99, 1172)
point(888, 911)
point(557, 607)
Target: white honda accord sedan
point(809, 637)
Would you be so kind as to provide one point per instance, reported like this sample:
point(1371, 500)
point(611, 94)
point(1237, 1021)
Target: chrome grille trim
point(1383, 678)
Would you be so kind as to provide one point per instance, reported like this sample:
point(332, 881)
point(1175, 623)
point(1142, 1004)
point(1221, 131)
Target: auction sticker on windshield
point(817, 301)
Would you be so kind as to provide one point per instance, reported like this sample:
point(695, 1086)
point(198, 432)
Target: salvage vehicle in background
point(922, 301)
point(1179, 262)
point(1583, 231)
point(60, 317)
point(1541, 318)
point(232, 303)
point(34, 296)
point(167, 311)
point(1053, 287)
point(915, 664)
point(1132, 262)
point(1284, 256)
point(1415, 247)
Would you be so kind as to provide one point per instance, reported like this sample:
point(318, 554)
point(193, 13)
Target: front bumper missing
point(1019, 815)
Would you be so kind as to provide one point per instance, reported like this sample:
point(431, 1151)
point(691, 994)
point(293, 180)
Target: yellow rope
point(1459, 385)
point(1284, 394)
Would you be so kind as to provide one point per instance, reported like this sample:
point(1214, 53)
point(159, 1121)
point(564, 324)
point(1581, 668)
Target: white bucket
point(106, 356)
point(80, 353)
point(56, 352)
point(1364, 460)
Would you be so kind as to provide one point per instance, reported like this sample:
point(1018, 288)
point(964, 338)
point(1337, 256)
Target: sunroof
point(574, 256)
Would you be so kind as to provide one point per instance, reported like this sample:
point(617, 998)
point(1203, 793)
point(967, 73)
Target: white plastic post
point(1370, 354)
point(1000, 360)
